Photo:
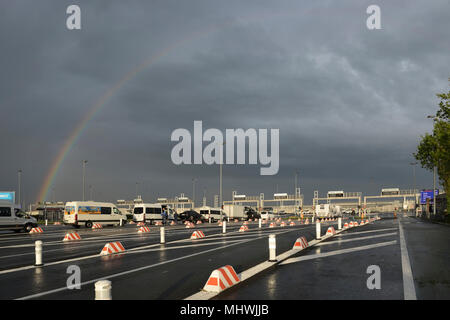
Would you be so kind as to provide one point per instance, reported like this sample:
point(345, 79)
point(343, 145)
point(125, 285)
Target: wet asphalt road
point(175, 270)
point(327, 272)
point(334, 269)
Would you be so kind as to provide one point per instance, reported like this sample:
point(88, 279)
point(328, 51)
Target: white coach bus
point(86, 213)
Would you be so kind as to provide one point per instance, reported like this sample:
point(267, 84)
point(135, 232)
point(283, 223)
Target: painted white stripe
point(337, 241)
point(361, 232)
point(409, 290)
point(338, 252)
point(37, 295)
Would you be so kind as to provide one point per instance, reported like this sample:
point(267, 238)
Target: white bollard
point(272, 248)
point(317, 230)
point(339, 223)
point(46, 222)
point(38, 252)
point(121, 222)
point(103, 290)
point(224, 226)
point(260, 223)
point(163, 235)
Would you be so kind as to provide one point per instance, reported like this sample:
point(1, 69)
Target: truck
point(235, 211)
point(327, 210)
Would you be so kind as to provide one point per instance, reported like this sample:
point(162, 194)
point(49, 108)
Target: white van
point(150, 212)
point(12, 218)
point(86, 213)
point(213, 213)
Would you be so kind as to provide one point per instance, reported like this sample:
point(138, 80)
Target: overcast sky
point(350, 103)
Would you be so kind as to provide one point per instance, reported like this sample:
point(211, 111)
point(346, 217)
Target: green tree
point(434, 149)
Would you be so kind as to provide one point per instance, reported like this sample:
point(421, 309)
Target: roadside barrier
point(190, 225)
point(141, 224)
point(292, 223)
point(221, 279)
point(243, 228)
point(197, 235)
point(355, 224)
point(318, 230)
point(158, 223)
point(245, 223)
point(199, 222)
point(97, 226)
point(351, 225)
point(103, 290)
point(300, 243)
point(57, 223)
point(307, 221)
point(143, 229)
point(38, 253)
point(162, 234)
point(71, 236)
point(236, 220)
point(272, 225)
point(36, 230)
point(331, 231)
point(111, 248)
point(132, 222)
point(283, 224)
point(172, 223)
point(346, 225)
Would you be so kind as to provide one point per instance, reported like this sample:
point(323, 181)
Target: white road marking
point(132, 270)
point(409, 290)
point(338, 252)
point(337, 241)
point(361, 232)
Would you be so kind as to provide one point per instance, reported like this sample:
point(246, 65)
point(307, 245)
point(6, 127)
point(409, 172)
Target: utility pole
point(434, 191)
point(414, 186)
point(193, 192)
point(19, 174)
point(84, 173)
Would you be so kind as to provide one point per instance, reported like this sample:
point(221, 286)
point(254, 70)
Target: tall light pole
point(414, 186)
point(193, 192)
point(19, 177)
point(295, 193)
point(220, 178)
point(84, 174)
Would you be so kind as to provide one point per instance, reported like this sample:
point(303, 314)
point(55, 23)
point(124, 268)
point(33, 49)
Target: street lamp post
point(434, 175)
point(220, 179)
point(193, 192)
point(414, 186)
point(84, 173)
point(19, 174)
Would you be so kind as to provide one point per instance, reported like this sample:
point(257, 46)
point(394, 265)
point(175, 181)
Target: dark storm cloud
point(350, 103)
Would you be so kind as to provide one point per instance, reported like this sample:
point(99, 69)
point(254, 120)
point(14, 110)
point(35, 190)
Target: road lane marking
point(133, 270)
point(337, 241)
point(362, 232)
point(338, 252)
point(135, 249)
point(409, 290)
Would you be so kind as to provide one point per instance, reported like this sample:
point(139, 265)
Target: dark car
point(252, 214)
point(191, 216)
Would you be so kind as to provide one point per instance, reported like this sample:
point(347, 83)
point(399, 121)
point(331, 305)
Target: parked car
point(192, 216)
point(252, 214)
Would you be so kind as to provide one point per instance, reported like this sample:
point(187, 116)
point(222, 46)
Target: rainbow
point(97, 106)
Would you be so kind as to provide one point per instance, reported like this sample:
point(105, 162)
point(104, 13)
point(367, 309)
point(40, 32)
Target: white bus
point(86, 213)
point(151, 212)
